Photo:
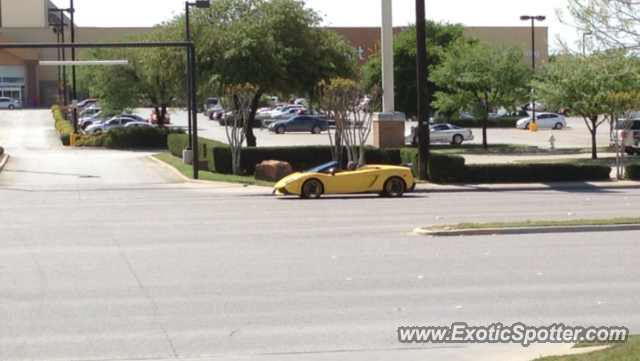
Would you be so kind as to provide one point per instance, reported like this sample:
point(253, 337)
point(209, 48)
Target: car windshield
point(322, 168)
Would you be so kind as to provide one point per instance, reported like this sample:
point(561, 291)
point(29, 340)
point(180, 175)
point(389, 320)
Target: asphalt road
point(575, 135)
point(107, 255)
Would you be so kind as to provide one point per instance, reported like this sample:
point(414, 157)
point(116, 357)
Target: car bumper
point(282, 191)
point(412, 188)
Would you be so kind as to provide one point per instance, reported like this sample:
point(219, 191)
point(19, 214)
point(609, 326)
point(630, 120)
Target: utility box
point(388, 130)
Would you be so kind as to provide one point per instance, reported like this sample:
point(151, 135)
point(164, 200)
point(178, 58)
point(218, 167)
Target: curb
point(3, 160)
point(525, 230)
point(558, 186)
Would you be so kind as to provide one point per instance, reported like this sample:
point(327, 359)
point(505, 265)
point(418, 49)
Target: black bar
point(533, 67)
point(423, 91)
point(73, 71)
point(189, 144)
point(194, 105)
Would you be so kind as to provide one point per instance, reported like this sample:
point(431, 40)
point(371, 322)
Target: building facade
point(40, 21)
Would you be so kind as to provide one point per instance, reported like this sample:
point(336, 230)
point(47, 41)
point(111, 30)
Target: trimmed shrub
point(373, 155)
point(300, 158)
point(444, 168)
point(178, 142)
point(410, 155)
point(63, 126)
point(139, 137)
point(91, 140)
point(632, 171)
point(535, 173)
point(502, 122)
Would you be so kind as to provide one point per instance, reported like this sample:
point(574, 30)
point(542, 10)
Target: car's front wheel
point(280, 130)
point(527, 126)
point(316, 130)
point(312, 188)
point(394, 187)
point(558, 126)
point(457, 139)
point(11, 107)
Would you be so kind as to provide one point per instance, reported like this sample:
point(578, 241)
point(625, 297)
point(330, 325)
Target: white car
point(441, 133)
point(139, 125)
point(287, 109)
point(9, 103)
point(543, 120)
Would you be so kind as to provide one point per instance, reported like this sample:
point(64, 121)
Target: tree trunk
point(251, 138)
point(594, 153)
point(484, 134)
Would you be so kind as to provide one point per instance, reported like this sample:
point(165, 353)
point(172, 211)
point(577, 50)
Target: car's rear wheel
point(558, 126)
point(97, 131)
point(394, 187)
point(211, 116)
point(11, 106)
point(316, 130)
point(280, 130)
point(457, 139)
point(312, 188)
point(85, 125)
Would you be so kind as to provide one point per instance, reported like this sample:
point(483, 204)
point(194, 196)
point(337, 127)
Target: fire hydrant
point(552, 141)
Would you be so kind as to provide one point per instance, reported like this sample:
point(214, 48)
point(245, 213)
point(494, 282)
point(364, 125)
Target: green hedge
point(502, 122)
point(178, 142)
point(127, 138)
point(535, 173)
point(444, 168)
point(632, 171)
point(257, 123)
point(300, 158)
point(63, 126)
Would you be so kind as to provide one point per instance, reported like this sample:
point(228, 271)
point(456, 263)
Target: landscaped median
point(525, 227)
point(616, 352)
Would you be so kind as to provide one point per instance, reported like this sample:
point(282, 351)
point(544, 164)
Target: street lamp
point(58, 29)
point(584, 40)
point(192, 113)
point(534, 126)
point(422, 74)
point(71, 11)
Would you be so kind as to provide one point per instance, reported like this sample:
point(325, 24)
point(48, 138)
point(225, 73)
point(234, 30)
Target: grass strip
point(187, 170)
point(628, 351)
point(528, 223)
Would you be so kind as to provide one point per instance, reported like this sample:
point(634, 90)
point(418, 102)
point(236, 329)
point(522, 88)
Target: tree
point(621, 104)
point(614, 23)
point(481, 77)
point(353, 125)
point(238, 99)
point(582, 85)
point(153, 75)
point(439, 38)
point(276, 45)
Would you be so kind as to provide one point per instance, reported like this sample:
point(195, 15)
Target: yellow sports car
point(386, 180)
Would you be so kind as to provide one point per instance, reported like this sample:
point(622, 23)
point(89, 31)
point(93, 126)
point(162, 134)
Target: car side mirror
point(333, 171)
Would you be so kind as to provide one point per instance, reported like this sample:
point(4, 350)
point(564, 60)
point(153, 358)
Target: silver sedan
point(442, 133)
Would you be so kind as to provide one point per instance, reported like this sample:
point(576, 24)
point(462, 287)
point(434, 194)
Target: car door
point(439, 133)
point(542, 120)
point(111, 124)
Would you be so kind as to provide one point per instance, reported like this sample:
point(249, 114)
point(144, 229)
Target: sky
point(342, 13)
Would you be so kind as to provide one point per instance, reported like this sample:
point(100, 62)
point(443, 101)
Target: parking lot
point(575, 135)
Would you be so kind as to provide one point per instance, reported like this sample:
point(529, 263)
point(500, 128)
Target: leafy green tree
point(153, 75)
point(481, 77)
point(276, 45)
point(583, 85)
point(439, 38)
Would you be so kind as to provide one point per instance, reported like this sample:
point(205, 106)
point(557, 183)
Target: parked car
point(514, 113)
point(213, 111)
point(154, 117)
point(314, 113)
point(386, 180)
point(627, 135)
point(287, 114)
point(538, 106)
point(9, 103)
point(87, 103)
point(138, 125)
point(543, 120)
point(117, 121)
point(442, 133)
point(299, 124)
point(285, 110)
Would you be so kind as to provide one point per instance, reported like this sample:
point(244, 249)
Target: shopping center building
point(36, 21)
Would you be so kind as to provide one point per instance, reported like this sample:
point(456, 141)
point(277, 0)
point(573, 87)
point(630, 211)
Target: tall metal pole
point(423, 90)
point(73, 70)
point(64, 68)
point(533, 67)
point(59, 28)
point(193, 106)
point(189, 132)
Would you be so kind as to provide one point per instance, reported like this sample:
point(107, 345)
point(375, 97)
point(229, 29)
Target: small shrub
point(632, 171)
point(91, 140)
point(178, 142)
point(373, 155)
point(63, 126)
point(410, 155)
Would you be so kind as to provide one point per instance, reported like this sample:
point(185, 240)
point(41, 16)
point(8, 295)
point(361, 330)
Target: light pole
point(423, 91)
point(59, 30)
point(533, 127)
point(70, 10)
point(200, 4)
point(584, 40)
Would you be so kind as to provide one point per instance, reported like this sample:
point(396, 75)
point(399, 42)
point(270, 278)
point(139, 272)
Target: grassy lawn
point(187, 170)
point(629, 351)
point(574, 222)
